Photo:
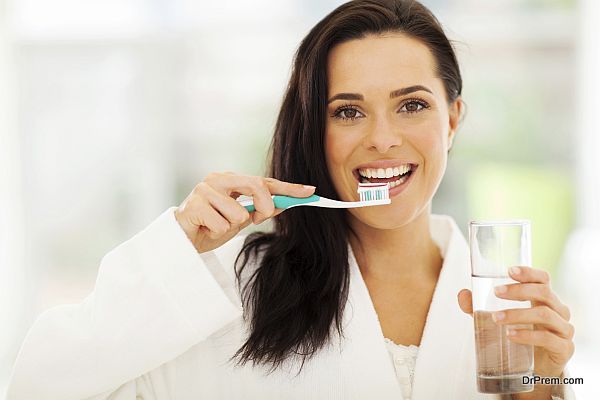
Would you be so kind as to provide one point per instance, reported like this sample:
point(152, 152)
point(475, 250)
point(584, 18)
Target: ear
point(454, 113)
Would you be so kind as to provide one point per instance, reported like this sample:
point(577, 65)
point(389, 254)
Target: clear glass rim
point(500, 222)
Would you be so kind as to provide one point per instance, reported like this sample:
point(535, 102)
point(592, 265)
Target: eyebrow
point(393, 93)
point(407, 90)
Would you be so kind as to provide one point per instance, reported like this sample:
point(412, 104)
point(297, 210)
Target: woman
point(333, 304)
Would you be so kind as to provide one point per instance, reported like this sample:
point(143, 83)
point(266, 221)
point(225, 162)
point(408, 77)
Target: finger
point(289, 189)
point(204, 215)
point(254, 186)
point(275, 213)
point(235, 229)
point(229, 182)
point(528, 274)
point(263, 202)
point(230, 209)
point(537, 292)
point(259, 188)
point(276, 186)
point(540, 315)
point(465, 301)
point(543, 338)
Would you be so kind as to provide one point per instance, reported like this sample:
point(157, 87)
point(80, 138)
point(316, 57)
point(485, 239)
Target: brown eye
point(413, 106)
point(349, 113)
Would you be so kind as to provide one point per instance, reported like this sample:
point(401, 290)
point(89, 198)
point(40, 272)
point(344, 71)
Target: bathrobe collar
point(445, 334)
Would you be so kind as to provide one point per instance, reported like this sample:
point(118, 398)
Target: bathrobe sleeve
point(154, 298)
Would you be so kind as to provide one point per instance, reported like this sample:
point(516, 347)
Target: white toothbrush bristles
point(373, 191)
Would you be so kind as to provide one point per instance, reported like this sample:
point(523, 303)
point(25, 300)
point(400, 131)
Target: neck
point(398, 254)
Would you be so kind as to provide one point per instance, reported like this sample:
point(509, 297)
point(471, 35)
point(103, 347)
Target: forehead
point(385, 61)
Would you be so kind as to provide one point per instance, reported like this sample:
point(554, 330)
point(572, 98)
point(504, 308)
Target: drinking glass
point(503, 366)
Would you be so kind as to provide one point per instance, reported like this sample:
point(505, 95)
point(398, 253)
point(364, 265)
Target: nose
point(382, 135)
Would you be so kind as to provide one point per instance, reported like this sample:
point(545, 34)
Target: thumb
point(465, 301)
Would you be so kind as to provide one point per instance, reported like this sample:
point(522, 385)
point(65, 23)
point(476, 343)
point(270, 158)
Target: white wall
point(14, 297)
point(581, 261)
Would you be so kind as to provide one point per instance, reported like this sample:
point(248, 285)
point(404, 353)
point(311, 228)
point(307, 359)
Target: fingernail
point(500, 289)
point(498, 316)
point(308, 187)
point(515, 270)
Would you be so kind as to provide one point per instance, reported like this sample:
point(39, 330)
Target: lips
point(388, 163)
point(369, 168)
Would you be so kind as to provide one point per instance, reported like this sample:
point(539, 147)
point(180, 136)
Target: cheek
point(430, 139)
point(330, 153)
point(338, 148)
point(432, 146)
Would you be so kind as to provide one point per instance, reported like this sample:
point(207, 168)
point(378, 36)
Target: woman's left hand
point(552, 336)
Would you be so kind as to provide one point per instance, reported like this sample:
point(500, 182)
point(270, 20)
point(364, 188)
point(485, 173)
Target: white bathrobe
point(162, 322)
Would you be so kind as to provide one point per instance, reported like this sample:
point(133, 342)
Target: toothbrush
point(371, 194)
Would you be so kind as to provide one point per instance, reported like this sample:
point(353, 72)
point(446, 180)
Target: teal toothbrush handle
point(287, 201)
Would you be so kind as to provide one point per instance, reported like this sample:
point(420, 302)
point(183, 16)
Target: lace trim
point(404, 359)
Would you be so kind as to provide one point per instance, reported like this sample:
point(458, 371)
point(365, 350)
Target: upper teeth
point(384, 172)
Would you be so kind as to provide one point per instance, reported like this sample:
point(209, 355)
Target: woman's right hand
point(210, 215)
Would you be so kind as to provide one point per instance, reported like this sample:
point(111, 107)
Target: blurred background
point(111, 111)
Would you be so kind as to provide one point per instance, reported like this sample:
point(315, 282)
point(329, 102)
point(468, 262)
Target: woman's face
point(387, 109)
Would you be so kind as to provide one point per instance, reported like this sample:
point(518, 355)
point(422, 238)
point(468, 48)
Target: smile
point(394, 175)
point(398, 174)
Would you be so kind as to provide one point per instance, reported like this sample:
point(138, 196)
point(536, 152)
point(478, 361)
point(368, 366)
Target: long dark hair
point(295, 297)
